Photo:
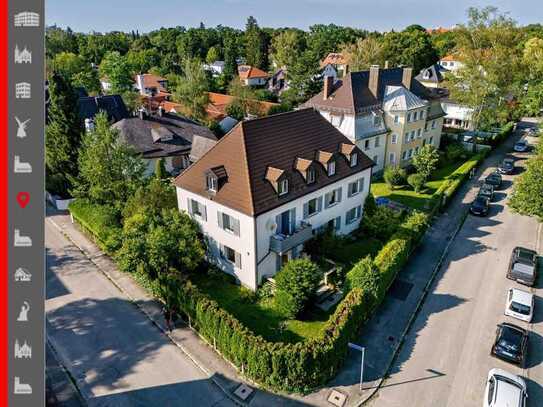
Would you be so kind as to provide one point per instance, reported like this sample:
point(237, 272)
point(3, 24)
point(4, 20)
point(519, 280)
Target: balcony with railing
point(282, 243)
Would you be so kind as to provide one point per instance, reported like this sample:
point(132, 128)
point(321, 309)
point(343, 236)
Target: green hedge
point(301, 366)
point(101, 222)
point(502, 135)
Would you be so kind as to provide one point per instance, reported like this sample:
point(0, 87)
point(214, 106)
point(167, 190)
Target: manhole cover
point(400, 289)
point(243, 391)
point(337, 399)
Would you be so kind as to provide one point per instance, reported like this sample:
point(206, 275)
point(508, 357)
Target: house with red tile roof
point(252, 76)
point(335, 65)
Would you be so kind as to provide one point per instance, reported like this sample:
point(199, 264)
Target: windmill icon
point(21, 130)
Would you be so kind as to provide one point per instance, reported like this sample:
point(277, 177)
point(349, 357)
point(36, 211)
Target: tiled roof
point(433, 73)
point(248, 72)
point(352, 94)
point(449, 57)
point(271, 146)
point(113, 105)
point(333, 58)
point(152, 81)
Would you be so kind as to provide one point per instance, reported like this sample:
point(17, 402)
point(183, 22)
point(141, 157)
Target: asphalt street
point(115, 354)
point(445, 358)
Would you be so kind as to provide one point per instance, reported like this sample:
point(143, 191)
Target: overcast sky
point(381, 15)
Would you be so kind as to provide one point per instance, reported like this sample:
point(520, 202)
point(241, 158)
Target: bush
point(455, 152)
point(416, 181)
point(527, 196)
point(394, 176)
point(369, 205)
point(102, 222)
point(381, 224)
point(364, 276)
point(295, 285)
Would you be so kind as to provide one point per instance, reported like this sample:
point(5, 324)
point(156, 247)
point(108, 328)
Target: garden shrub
point(394, 176)
point(296, 283)
point(455, 152)
point(381, 224)
point(364, 276)
point(416, 181)
point(369, 205)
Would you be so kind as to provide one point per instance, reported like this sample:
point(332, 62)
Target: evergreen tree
point(160, 169)
point(254, 44)
point(63, 134)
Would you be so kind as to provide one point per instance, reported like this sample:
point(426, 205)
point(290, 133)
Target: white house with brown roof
point(268, 186)
point(386, 112)
point(252, 76)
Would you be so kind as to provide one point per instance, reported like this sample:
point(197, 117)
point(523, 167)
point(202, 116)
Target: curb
point(149, 317)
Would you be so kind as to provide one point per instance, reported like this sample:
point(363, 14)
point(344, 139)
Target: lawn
point(260, 316)
point(349, 253)
point(407, 196)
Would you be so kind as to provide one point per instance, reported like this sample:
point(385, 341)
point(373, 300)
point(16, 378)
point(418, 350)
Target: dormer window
point(212, 183)
point(311, 176)
point(282, 187)
point(354, 159)
point(331, 168)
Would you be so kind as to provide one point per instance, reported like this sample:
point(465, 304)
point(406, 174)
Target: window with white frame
point(392, 158)
point(228, 223)
point(394, 138)
point(433, 124)
point(417, 150)
point(431, 140)
point(211, 183)
point(415, 116)
point(231, 255)
point(331, 168)
point(333, 197)
point(312, 207)
point(404, 155)
point(407, 137)
point(355, 187)
point(197, 209)
point(353, 214)
point(396, 119)
point(419, 133)
point(354, 159)
point(410, 153)
point(282, 187)
point(408, 117)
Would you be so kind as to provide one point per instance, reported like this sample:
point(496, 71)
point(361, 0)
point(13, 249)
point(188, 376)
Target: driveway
point(115, 354)
point(445, 357)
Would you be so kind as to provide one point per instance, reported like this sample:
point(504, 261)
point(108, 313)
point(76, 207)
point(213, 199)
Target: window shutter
point(306, 210)
point(236, 226)
point(349, 190)
point(327, 199)
point(238, 259)
point(337, 224)
point(292, 216)
point(339, 194)
point(219, 219)
point(189, 206)
point(204, 211)
point(361, 185)
point(319, 203)
point(358, 210)
point(279, 229)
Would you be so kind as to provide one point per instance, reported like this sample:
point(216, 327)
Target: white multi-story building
point(386, 112)
point(268, 186)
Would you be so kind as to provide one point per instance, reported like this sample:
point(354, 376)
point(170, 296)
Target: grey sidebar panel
point(26, 208)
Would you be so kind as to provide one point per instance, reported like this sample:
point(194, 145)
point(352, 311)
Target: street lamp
point(363, 350)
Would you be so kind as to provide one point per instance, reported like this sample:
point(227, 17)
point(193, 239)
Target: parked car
point(486, 191)
point(511, 343)
point(521, 146)
point(494, 179)
point(479, 206)
point(504, 389)
point(523, 266)
point(520, 304)
point(507, 166)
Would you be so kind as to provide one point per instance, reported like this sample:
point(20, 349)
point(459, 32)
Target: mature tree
point(117, 70)
point(444, 42)
point(151, 199)
point(323, 39)
point(304, 79)
point(133, 100)
point(58, 40)
point(244, 102)
point(287, 46)
point(487, 79)
point(142, 61)
point(425, 161)
point(527, 196)
point(255, 44)
point(109, 170)
point(212, 55)
point(532, 58)
point(76, 70)
point(409, 47)
point(63, 134)
point(364, 53)
point(192, 89)
point(295, 285)
point(231, 51)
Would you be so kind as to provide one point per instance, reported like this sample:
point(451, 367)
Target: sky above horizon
point(381, 15)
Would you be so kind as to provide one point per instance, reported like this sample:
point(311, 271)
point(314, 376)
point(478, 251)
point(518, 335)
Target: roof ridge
point(246, 168)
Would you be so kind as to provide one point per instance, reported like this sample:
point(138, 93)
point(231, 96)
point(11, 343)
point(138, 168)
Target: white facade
point(255, 81)
point(250, 239)
point(458, 116)
point(450, 64)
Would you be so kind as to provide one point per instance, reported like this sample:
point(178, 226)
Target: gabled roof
point(165, 136)
point(434, 73)
point(113, 105)
point(248, 72)
point(333, 58)
point(352, 94)
point(152, 81)
point(449, 57)
point(399, 99)
point(275, 143)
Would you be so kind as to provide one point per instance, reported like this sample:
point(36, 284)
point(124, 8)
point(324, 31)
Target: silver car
point(504, 389)
point(520, 304)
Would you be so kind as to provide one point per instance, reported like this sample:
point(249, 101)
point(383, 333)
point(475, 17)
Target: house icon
point(22, 90)
point(22, 275)
point(23, 56)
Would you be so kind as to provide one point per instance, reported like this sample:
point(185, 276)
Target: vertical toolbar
point(26, 207)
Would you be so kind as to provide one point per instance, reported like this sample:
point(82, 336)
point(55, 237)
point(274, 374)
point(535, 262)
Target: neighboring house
point(112, 105)
point(252, 76)
point(216, 68)
point(451, 62)
point(268, 186)
point(278, 82)
point(386, 112)
point(457, 115)
point(178, 140)
point(152, 85)
point(335, 65)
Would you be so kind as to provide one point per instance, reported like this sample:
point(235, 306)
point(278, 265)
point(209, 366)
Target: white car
point(504, 389)
point(520, 304)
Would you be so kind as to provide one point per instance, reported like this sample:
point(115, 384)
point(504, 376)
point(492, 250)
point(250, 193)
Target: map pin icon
point(23, 198)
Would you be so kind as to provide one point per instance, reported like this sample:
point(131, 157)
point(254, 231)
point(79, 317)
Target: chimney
point(328, 85)
point(386, 64)
point(373, 83)
point(406, 77)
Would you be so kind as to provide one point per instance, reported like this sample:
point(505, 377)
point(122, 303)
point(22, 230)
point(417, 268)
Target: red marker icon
point(23, 198)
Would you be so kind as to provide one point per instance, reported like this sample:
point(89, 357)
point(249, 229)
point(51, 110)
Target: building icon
point(22, 352)
point(22, 90)
point(22, 275)
point(22, 57)
point(27, 19)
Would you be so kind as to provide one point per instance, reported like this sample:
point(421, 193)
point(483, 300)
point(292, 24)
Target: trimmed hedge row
point(101, 222)
point(502, 135)
point(302, 366)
